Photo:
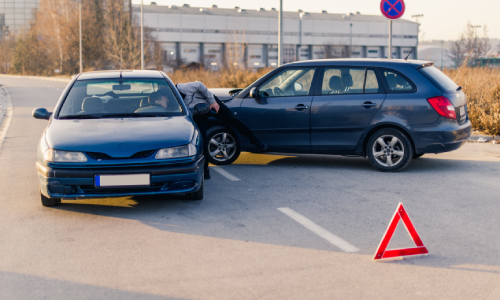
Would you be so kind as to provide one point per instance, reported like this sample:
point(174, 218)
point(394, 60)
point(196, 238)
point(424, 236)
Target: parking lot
point(251, 237)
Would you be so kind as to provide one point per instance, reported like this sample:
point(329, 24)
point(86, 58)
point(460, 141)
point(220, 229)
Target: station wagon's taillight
point(443, 106)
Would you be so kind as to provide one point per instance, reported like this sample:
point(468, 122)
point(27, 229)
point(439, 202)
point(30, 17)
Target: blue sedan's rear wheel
point(222, 146)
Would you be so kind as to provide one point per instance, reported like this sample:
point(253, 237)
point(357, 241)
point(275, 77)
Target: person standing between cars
point(194, 93)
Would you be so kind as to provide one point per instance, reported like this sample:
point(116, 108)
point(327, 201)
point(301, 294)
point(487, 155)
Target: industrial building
point(215, 36)
point(16, 15)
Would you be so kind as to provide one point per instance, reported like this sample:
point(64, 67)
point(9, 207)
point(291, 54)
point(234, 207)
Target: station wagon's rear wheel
point(222, 146)
point(389, 150)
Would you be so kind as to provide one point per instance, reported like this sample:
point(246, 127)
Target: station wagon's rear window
point(114, 98)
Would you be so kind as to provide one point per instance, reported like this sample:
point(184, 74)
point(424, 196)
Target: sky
point(443, 19)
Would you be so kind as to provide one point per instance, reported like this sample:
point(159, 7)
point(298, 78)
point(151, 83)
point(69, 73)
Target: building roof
point(262, 13)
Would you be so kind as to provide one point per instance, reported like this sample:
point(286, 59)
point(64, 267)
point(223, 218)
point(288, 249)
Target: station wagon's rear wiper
point(80, 117)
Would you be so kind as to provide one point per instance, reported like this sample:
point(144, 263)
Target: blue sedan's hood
point(119, 137)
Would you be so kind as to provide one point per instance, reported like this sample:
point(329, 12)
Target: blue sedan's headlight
point(52, 155)
point(176, 152)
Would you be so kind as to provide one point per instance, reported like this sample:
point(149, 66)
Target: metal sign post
point(392, 10)
point(390, 39)
point(142, 36)
point(280, 35)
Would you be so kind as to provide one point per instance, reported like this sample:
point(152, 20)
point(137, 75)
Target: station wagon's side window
point(396, 82)
point(289, 82)
point(372, 85)
point(338, 81)
point(343, 81)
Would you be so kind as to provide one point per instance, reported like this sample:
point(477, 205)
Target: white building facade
point(216, 36)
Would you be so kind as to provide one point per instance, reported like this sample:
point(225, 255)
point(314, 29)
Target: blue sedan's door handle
point(368, 104)
point(301, 106)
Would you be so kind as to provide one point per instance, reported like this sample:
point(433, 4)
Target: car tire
point(198, 195)
point(393, 142)
point(50, 201)
point(415, 155)
point(218, 140)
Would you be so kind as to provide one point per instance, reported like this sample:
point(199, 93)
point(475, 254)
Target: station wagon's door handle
point(301, 106)
point(369, 104)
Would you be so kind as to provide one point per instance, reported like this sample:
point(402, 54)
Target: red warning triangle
point(382, 253)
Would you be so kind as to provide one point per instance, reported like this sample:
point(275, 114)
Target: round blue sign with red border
point(392, 9)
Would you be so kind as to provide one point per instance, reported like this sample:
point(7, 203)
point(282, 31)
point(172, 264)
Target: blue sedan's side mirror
point(41, 113)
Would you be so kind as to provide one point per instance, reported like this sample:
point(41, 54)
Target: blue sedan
point(119, 133)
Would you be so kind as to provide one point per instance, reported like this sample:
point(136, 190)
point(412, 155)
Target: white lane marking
point(225, 173)
point(6, 111)
point(330, 237)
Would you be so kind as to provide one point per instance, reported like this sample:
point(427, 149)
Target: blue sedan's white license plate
point(122, 180)
point(462, 110)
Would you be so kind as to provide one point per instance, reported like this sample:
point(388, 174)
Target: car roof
point(117, 74)
point(364, 62)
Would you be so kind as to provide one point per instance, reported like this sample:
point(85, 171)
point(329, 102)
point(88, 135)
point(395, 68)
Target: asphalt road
point(239, 242)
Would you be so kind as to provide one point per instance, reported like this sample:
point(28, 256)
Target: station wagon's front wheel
point(222, 146)
point(389, 150)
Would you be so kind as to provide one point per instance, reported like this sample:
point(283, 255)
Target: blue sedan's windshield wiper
point(80, 117)
point(132, 115)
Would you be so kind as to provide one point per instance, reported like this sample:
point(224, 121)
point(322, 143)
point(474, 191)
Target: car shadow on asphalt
point(23, 286)
point(358, 163)
point(163, 212)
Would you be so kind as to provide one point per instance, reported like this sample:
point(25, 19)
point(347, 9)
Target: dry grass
point(482, 87)
point(237, 78)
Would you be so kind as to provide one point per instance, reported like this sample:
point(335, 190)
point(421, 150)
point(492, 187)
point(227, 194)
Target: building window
point(213, 51)
point(372, 51)
point(254, 56)
point(189, 50)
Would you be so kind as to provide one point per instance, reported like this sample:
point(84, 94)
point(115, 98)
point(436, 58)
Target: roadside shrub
point(238, 78)
point(482, 87)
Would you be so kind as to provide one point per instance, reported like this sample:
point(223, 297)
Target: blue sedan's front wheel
point(50, 201)
point(198, 195)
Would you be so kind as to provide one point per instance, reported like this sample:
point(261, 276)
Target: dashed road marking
point(225, 173)
point(330, 237)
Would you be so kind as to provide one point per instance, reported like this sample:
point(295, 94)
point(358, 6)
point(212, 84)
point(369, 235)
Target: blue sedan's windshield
point(114, 98)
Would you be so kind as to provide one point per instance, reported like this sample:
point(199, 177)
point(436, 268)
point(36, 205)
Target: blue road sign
point(392, 9)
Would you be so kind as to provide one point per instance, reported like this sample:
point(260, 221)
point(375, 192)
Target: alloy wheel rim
point(222, 146)
point(388, 151)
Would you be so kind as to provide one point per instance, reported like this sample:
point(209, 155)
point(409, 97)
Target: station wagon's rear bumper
point(79, 182)
point(445, 136)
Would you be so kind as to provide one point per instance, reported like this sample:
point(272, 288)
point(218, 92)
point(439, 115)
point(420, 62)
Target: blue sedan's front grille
point(104, 156)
